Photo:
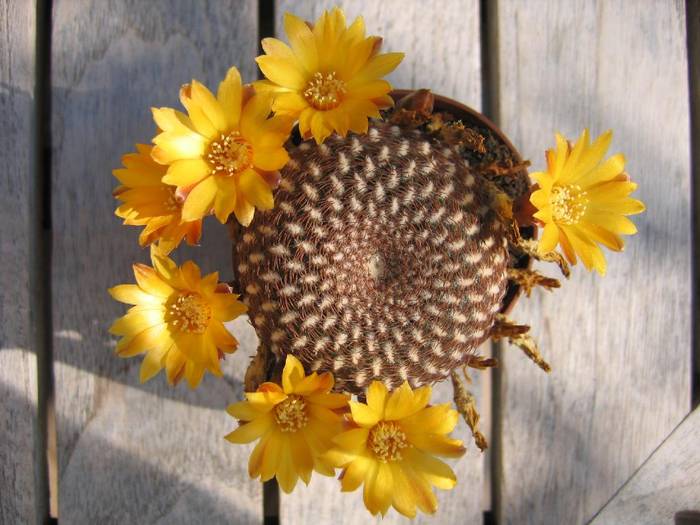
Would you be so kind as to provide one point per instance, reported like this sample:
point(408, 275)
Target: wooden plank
point(18, 367)
point(620, 345)
point(131, 453)
point(667, 482)
point(451, 67)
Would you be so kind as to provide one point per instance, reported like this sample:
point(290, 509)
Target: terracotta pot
point(472, 117)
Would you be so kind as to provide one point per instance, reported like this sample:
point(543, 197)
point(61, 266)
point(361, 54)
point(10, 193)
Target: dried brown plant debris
point(504, 327)
point(457, 134)
point(528, 345)
point(529, 279)
point(518, 335)
point(529, 247)
point(466, 406)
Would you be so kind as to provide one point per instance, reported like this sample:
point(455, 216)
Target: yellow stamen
point(291, 414)
point(387, 440)
point(189, 313)
point(324, 91)
point(230, 154)
point(569, 203)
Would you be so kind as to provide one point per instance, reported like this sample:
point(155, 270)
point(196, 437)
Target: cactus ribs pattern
point(382, 259)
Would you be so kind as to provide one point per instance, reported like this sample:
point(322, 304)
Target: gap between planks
point(271, 490)
point(693, 35)
point(493, 465)
point(45, 474)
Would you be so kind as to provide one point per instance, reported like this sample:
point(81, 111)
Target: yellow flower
point(147, 201)
point(582, 200)
point(226, 154)
point(331, 77)
point(177, 320)
point(392, 449)
point(294, 423)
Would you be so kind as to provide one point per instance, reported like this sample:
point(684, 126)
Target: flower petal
point(282, 71)
point(302, 41)
point(251, 431)
point(379, 489)
point(353, 441)
point(132, 294)
point(135, 322)
point(363, 415)
point(271, 456)
point(271, 159)
point(404, 497)
point(436, 472)
point(186, 172)
point(301, 456)
point(256, 190)
point(376, 397)
point(148, 339)
point(200, 200)
point(549, 240)
point(377, 67)
point(256, 458)
point(243, 210)
point(150, 282)
point(292, 373)
point(355, 473)
point(286, 474)
point(243, 410)
point(202, 97)
point(152, 363)
point(229, 96)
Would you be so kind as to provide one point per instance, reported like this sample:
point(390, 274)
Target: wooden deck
point(608, 437)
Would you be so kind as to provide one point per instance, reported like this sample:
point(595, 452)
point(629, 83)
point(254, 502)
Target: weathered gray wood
point(442, 44)
point(18, 368)
point(442, 49)
point(131, 453)
point(620, 345)
point(667, 482)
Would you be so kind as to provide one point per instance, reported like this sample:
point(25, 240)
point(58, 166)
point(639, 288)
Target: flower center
point(189, 313)
point(387, 440)
point(324, 91)
point(569, 203)
point(230, 154)
point(291, 415)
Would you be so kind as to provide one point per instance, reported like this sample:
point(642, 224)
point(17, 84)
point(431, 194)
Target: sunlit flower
point(177, 320)
point(226, 154)
point(147, 201)
point(582, 200)
point(331, 77)
point(392, 449)
point(294, 424)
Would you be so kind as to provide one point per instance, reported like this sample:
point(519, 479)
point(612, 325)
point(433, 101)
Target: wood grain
point(620, 345)
point(131, 453)
point(442, 53)
point(442, 45)
point(667, 482)
point(18, 368)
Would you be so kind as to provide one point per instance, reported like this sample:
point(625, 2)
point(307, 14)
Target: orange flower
point(148, 201)
point(226, 154)
point(177, 320)
point(294, 424)
point(583, 201)
point(392, 446)
point(331, 77)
